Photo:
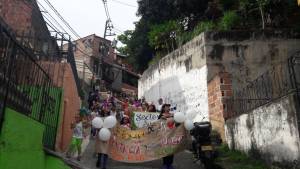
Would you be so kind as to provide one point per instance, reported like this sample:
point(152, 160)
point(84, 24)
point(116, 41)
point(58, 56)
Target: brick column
point(219, 90)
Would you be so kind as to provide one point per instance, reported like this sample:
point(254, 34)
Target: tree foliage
point(229, 20)
point(166, 24)
point(162, 36)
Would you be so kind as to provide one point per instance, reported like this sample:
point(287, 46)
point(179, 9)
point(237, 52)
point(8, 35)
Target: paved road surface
point(182, 160)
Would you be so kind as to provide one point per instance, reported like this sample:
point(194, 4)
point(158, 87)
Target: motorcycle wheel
point(208, 163)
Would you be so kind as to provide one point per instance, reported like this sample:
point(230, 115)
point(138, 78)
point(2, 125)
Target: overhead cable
point(123, 3)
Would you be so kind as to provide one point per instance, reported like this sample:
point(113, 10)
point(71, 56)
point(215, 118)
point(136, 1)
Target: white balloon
point(110, 122)
point(188, 124)
point(191, 115)
point(104, 134)
point(179, 117)
point(97, 122)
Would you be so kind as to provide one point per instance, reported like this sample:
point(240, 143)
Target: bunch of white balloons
point(104, 126)
point(187, 119)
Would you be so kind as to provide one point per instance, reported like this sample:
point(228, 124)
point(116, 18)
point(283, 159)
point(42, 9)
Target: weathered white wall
point(246, 55)
point(180, 79)
point(270, 131)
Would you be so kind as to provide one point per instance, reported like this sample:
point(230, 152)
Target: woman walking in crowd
point(166, 115)
point(152, 108)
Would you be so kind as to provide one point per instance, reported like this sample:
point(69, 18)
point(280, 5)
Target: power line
point(106, 9)
point(52, 18)
point(62, 19)
point(123, 3)
point(118, 29)
point(51, 25)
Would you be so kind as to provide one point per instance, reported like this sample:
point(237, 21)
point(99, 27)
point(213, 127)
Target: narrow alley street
point(149, 84)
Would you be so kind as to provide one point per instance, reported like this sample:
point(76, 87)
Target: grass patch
point(232, 159)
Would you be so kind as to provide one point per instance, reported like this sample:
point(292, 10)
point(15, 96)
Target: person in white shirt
point(160, 104)
point(77, 137)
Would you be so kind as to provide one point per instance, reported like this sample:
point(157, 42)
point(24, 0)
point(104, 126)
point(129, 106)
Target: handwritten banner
point(148, 143)
point(143, 119)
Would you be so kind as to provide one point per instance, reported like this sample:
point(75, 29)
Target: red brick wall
point(219, 89)
point(26, 20)
point(70, 109)
point(62, 76)
point(17, 14)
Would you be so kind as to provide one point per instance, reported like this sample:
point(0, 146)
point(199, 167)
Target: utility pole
point(83, 74)
point(108, 31)
point(105, 29)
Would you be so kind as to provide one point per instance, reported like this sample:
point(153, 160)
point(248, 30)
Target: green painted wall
point(21, 144)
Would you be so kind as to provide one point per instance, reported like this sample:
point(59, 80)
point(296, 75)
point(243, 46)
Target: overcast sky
point(88, 16)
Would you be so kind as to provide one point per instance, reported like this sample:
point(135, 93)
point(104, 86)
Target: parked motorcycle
point(203, 148)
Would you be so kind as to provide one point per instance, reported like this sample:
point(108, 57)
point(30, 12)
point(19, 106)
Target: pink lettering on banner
point(141, 145)
point(172, 141)
point(135, 148)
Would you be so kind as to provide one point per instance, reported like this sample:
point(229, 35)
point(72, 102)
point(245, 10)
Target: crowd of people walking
point(104, 105)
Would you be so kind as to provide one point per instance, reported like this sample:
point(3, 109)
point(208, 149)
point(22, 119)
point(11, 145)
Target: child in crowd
point(78, 135)
point(126, 122)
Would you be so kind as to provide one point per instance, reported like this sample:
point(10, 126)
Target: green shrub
point(229, 20)
point(233, 159)
point(203, 27)
point(156, 58)
point(184, 37)
point(159, 36)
